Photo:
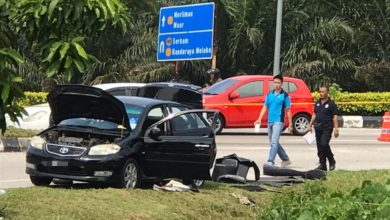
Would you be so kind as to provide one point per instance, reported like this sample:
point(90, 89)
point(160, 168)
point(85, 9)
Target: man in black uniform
point(325, 122)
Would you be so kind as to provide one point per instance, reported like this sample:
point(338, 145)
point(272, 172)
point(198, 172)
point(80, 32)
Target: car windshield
point(133, 113)
point(220, 87)
point(89, 122)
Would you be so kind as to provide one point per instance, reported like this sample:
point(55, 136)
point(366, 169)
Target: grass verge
point(215, 201)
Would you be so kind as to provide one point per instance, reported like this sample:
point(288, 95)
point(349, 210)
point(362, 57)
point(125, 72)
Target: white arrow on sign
point(161, 47)
point(163, 21)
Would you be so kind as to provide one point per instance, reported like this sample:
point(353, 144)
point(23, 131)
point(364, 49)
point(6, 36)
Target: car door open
point(187, 150)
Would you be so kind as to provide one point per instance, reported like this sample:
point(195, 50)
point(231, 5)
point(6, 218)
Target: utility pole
point(278, 35)
point(215, 42)
point(177, 70)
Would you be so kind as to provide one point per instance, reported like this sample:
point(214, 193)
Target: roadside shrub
point(32, 98)
point(368, 103)
point(2, 211)
point(370, 201)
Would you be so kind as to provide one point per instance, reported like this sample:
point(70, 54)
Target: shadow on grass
point(146, 185)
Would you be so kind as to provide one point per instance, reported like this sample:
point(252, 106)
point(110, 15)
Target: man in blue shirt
point(277, 103)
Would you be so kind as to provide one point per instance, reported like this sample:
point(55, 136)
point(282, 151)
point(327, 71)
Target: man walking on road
point(325, 122)
point(277, 103)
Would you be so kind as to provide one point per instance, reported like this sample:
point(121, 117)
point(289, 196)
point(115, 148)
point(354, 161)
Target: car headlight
point(104, 149)
point(37, 142)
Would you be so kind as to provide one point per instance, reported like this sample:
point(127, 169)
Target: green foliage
point(309, 55)
point(32, 98)
point(215, 200)
point(57, 29)
point(67, 55)
point(374, 76)
point(367, 104)
point(339, 41)
point(2, 211)
point(93, 202)
point(322, 41)
point(245, 34)
point(10, 61)
point(370, 201)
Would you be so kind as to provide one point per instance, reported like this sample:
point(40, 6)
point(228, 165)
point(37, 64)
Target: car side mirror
point(234, 95)
point(155, 133)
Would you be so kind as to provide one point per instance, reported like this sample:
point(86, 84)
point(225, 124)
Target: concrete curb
point(14, 144)
point(360, 121)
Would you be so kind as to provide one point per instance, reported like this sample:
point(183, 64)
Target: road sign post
point(186, 32)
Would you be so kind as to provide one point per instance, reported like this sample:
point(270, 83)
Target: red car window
point(251, 89)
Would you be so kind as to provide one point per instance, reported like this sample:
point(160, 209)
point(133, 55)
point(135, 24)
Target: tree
point(58, 30)
point(338, 41)
point(9, 64)
point(323, 41)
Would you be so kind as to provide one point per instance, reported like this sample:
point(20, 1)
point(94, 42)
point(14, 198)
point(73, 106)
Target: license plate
point(56, 163)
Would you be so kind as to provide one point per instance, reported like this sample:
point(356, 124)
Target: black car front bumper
point(84, 168)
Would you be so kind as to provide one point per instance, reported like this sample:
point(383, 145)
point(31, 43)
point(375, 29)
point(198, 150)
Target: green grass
point(347, 195)
point(213, 202)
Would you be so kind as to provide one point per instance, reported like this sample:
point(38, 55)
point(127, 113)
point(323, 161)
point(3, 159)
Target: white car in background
point(120, 89)
point(38, 118)
point(39, 115)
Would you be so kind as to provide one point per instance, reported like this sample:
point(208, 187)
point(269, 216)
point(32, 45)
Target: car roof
point(265, 77)
point(176, 85)
point(106, 86)
point(143, 102)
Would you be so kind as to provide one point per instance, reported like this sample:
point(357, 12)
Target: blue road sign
point(186, 32)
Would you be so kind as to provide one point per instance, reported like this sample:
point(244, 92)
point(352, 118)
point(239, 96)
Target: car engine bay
point(78, 138)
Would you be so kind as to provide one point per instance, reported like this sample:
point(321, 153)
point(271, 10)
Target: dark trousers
point(323, 137)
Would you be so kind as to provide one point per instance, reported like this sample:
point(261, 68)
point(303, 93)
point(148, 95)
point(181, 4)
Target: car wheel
point(194, 182)
point(219, 123)
point(40, 181)
point(300, 124)
point(130, 177)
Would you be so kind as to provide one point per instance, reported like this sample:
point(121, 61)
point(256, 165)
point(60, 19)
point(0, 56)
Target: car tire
point(41, 181)
point(194, 182)
point(130, 175)
point(300, 124)
point(219, 124)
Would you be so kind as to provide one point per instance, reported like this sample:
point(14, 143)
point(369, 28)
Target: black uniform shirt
point(325, 112)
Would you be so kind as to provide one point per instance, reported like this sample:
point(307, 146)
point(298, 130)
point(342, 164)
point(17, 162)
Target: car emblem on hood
point(64, 150)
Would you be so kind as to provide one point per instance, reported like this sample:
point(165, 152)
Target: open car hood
point(78, 101)
point(176, 92)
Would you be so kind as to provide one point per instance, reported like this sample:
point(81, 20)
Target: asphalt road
point(355, 149)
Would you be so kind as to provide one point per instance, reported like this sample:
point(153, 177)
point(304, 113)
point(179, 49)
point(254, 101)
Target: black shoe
point(332, 165)
point(322, 167)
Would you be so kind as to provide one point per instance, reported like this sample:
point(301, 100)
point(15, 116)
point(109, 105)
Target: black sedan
point(97, 137)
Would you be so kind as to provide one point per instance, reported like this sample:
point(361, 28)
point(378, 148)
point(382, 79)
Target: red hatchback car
point(240, 99)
